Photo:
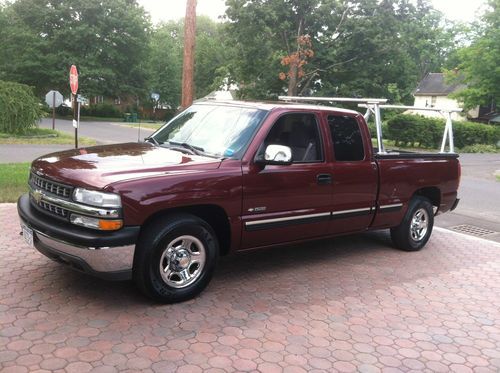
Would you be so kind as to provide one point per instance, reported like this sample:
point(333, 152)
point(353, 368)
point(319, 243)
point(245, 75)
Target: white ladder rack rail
point(372, 104)
point(446, 113)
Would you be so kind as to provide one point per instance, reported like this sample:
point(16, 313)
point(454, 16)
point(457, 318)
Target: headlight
point(94, 198)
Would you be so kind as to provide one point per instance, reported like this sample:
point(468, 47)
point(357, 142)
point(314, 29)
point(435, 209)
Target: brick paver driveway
point(351, 304)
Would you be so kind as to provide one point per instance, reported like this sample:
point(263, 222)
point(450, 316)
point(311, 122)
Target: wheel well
point(214, 215)
point(431, 193)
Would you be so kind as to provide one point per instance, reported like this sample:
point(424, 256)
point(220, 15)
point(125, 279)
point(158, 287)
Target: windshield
point(215, 130)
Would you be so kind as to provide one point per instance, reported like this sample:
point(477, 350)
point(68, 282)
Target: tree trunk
point(189, 44)
point(292, 80)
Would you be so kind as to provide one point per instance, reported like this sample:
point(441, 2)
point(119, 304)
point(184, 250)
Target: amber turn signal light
point(110, 225)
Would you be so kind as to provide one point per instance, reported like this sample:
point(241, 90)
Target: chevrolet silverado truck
point(223, 177)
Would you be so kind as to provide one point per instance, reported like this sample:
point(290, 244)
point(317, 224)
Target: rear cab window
point(347, 138)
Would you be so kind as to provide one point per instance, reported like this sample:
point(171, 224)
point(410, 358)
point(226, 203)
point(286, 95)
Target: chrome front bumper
point(100, 259)
point(105, 262)
point(104, 254)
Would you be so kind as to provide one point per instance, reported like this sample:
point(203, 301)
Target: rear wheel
point(416, 228)
point(175, 258)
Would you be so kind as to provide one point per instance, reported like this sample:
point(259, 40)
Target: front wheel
point(175, 258)
point(416, 228)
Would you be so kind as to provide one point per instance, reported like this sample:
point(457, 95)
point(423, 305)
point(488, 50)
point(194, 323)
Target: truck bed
point(401, 154)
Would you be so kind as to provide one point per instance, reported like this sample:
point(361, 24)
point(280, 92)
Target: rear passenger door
point(354, 175)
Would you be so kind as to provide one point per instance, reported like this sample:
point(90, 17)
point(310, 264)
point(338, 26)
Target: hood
point(99, 166)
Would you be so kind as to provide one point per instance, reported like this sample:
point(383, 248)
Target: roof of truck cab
point(264, 105)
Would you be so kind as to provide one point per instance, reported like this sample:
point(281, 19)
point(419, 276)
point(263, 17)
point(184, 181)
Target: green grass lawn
point(44, 136)
point(13, 181)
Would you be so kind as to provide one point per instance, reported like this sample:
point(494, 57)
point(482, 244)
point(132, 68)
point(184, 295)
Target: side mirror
point(276, 155)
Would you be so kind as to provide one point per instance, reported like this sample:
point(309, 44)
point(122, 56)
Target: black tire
point(412, 237)
point(154, 249)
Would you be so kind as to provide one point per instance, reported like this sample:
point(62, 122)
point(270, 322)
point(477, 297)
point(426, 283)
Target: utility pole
point(189, 43)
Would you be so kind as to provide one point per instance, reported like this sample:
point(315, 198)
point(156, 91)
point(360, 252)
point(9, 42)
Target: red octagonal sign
point(73, 79)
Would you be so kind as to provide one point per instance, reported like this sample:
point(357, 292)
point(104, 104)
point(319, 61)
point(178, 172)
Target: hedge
point(101, 110)
point(408, 129)
point(20, 110)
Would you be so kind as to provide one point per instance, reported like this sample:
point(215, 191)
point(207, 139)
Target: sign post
point(73, 83)
point(53, 110)
point(54, 99)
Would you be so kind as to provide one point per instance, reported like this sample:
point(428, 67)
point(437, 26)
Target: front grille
point(51, 208)
point(50, 186)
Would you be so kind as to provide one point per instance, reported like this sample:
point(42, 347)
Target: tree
point(106, 40)
point(167, 41)
point(165, 63)
point(274, 34)
point(478, 63)
point(334, 47)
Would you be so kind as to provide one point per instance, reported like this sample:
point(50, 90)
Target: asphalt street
point(479, 195)
point(103, 132)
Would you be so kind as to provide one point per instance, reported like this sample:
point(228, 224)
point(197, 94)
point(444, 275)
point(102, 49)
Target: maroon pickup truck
point(224, 177)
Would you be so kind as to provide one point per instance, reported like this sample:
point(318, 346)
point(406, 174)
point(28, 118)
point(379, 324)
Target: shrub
point(373, 129)
point(101, 110)
point(479, 148)
point(469, 133)
point(407, 129)
point(20, 110)
point(64, 111)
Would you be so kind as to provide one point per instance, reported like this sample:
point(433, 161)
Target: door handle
point(324, 179)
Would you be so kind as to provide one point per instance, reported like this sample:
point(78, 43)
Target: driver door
point(285, 203)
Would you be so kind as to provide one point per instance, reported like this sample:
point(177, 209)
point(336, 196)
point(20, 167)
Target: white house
point(433, 91)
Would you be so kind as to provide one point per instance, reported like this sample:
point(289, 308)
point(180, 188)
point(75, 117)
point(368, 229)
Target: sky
point(164, 10)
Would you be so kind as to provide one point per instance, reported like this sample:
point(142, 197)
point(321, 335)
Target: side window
point(299, 132)
point(347, 139)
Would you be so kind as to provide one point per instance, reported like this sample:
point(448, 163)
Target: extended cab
point(224, 177)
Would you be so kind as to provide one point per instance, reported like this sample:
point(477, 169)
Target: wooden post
point(189, 44)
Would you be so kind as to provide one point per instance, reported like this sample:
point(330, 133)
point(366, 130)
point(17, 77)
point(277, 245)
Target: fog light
point(94, 223)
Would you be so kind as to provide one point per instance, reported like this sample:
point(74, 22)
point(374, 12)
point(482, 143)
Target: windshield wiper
point(195, 149)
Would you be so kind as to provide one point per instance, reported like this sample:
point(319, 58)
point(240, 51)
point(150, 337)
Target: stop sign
point(54, 99)
point(73, 79)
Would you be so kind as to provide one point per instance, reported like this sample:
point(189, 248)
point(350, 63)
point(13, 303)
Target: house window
point(433, 101)
point(118, 101)
point(98, 99)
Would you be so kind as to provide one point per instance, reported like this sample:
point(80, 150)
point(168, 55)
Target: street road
point(14, 153)
point(103, 132)
point(479, 195)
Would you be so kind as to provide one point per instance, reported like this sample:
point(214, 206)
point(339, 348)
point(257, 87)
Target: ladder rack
point(373, 106)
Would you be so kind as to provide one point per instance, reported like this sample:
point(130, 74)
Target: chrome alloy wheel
point(419, 224)
point(182, 261)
